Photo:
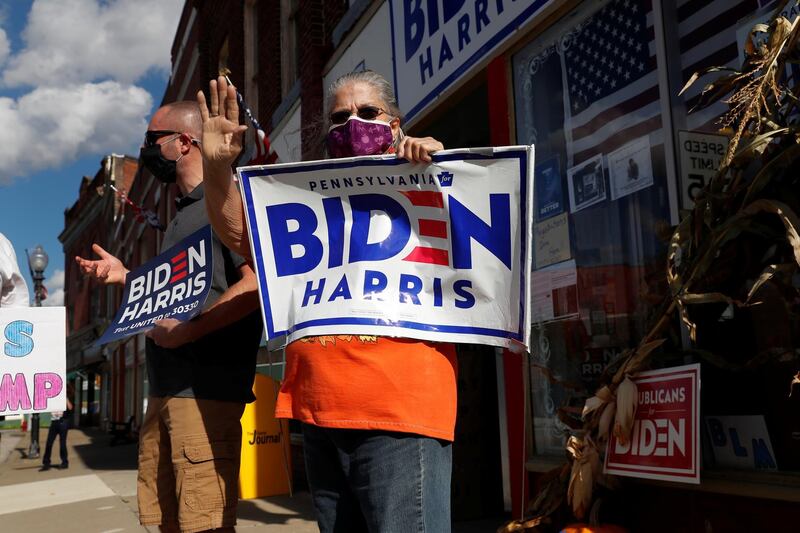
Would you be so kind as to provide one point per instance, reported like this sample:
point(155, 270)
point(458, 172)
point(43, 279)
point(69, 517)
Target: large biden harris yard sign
point(378, 246)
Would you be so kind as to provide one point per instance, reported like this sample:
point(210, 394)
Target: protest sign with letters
point(34, 360)
point(174, 284)
point(665, 441)
point(379, 246)
point(741, 442)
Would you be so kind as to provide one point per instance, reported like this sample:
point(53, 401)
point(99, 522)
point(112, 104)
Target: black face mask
point(153, 160)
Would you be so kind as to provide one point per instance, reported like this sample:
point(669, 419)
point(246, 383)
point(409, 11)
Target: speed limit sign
point(701, 155)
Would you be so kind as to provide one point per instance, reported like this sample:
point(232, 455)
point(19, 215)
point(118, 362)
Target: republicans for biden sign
point(378, 246)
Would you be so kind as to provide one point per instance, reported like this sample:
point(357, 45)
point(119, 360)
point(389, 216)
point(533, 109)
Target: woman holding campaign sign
point(378, 413)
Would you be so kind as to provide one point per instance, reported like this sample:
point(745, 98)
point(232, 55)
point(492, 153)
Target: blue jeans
point(378, 481)
point(58, 428)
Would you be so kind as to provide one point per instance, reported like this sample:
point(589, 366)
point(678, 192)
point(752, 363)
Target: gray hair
point(376, 81)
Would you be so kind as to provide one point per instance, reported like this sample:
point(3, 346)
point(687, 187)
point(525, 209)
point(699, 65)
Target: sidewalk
point(97, 494)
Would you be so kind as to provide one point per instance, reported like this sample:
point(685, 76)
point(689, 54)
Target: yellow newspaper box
point(265, 467)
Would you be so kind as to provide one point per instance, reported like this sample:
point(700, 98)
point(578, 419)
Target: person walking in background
point(60, 422)
point(378, 413)
point(200, 371)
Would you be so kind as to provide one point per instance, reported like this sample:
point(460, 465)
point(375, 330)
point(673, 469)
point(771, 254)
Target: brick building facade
point(90, 305)
point(251, 40)
point(134, 242)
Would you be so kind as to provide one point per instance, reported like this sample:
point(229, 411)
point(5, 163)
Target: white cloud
point(78, 41)
point(55, 288)
point(80, 60)
point(49, 127)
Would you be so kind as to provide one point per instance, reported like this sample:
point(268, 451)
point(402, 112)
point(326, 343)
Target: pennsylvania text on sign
point(375, 245)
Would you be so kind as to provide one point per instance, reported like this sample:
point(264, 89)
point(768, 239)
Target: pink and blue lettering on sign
point(33, 367)
point(175, 284)
point(375, 245)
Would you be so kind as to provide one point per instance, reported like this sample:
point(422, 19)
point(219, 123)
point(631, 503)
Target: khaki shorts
point(189, 463)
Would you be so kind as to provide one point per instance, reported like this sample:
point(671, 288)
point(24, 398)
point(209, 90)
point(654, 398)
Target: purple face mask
point(359, 137)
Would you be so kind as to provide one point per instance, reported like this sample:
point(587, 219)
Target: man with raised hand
point(200, 371)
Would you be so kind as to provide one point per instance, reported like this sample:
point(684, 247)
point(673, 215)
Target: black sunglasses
point(152, 136)
point(368, 112)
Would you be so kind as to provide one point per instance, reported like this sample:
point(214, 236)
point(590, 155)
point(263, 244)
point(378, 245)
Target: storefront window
point(587, 96)
point(751, 428)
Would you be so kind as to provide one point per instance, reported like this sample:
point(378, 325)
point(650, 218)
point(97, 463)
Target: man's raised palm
point(108, 269)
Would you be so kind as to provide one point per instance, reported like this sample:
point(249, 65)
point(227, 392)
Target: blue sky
point(79, 79)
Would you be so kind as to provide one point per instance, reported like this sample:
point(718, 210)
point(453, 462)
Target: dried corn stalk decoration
point(604, 403)
point(598, 401)
point(627, 402)
point(585, 470)
point(754, 194)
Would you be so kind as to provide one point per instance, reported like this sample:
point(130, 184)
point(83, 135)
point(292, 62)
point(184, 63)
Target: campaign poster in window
point(665, 440)
point(630, 168)
point(587, 184)
point(551, 241)
point(549, 193)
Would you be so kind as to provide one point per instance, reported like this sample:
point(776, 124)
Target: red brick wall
point(220, 20)
point(223, 19)
point(269, 60)
point(317, 20)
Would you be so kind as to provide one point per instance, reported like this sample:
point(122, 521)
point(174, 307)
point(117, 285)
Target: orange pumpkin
point(586, 528)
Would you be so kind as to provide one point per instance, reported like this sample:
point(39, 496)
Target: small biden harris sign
point(174, 284)
point(378, 246)
point(34, 359)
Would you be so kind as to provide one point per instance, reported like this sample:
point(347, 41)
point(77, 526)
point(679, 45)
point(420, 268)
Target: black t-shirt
point(222, 364)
